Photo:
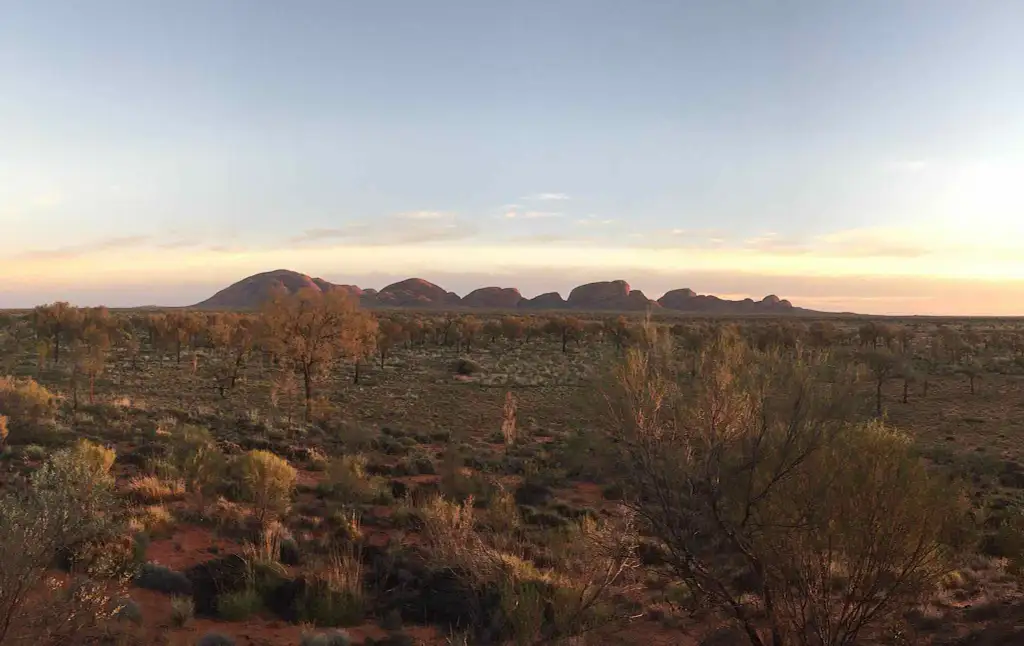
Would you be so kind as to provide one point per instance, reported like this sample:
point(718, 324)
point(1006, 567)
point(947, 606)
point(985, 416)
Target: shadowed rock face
point(614, 295)
point(548, 301)
point(493, 298)
point(415, 292)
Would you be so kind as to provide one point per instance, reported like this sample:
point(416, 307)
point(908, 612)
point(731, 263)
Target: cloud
point(545, 197)
point(425, 215)
point(593, 220)
point(401, 228)
point(178, 244)
point(542, 238)
point(75, 251)
point(531, 215)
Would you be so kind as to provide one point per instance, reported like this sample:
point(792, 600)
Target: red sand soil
point(188, 546)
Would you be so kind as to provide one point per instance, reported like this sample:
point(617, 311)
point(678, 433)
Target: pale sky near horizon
point(864, 156)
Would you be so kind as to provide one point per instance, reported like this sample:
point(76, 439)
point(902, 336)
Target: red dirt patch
point(188, 546)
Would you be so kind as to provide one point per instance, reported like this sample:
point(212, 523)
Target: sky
point(849, 156)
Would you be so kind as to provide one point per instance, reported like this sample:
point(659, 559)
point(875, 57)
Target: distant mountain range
point(614, 295)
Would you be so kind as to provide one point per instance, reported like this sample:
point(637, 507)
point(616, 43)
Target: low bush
point(267, 481)
point(349, 482)
point(465, 366)
point(332, 638)
point(30, 409)
point(129, 610)
point(153, 576)
point(215, 639)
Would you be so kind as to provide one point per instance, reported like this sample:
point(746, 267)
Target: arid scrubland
point(318, 474)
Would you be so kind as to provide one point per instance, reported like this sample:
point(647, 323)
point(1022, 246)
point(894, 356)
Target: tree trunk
point(178, 351)
point(56, 348)
point(383, 357)
point(906, 388)
point(92, 389)
point(307, 383)
point(878, 398)
point(565, 340)
point(355, 379)
point(972, 384)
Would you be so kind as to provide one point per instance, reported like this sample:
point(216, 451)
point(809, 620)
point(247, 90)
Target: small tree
point(768, 503)
point(389, 334)
point(972, 370)
point(512, 328)
point(360, 341)
point(310, 330)
point(56, 322)
point(267, 482)
point(883, 365)
point(565, 328)
point(469, 328)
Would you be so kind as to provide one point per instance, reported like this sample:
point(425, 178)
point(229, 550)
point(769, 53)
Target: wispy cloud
point(401, 228)
point(425, 215)
point(593, 220)
point(545, 197)
point(178, 244)
point(75, 251)
point(530, 215)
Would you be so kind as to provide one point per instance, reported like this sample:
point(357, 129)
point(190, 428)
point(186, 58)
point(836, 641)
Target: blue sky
point(821, 150)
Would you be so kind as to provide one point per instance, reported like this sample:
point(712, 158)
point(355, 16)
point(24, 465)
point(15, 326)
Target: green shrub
point(35, 452)
point(66, 517)
point(153, 576)
point(215, 639)
point(267, 481)
point(239, 605)
point(348, 481)
point(465, 366)
point(129, 610)
point(30, 408)
point(198, 460)
point(332, 638)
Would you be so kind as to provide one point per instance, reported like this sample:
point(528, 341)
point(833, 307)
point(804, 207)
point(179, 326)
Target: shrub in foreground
point(753, 479)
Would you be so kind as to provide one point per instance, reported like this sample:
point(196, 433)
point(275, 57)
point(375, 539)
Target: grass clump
point(334, 595)
point(239, 605)
point(215, 639)
point(183, 609)
point(151, 489)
